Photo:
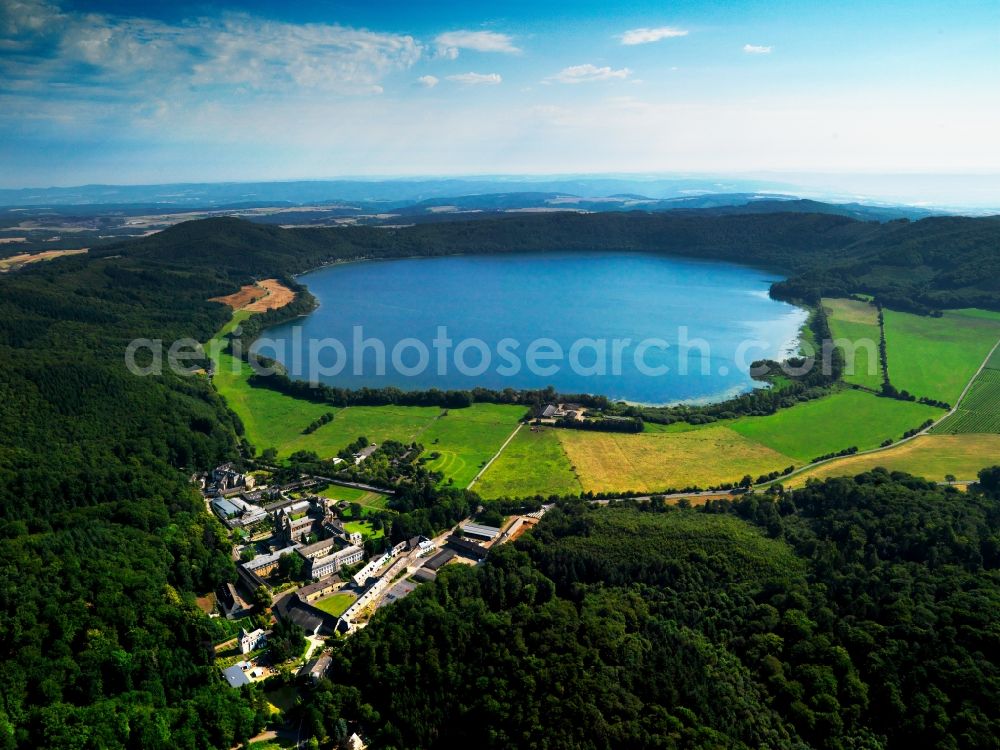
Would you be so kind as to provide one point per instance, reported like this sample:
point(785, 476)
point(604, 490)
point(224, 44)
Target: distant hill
point(934, 263)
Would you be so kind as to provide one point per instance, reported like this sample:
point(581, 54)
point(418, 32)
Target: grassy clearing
point(828, 425)
point(282, 698)
point(979, 410)
point(935, 357)
point(929, 456)
point(533, 463)
point(653, 462)
point(858, 323)
point(467, 438)
point(364, 528)
point(335, 604)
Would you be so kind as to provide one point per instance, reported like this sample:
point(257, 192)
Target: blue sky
point(127, 92)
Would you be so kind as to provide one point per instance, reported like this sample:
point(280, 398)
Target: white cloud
point(428, 81)
point(588, 73)
point(450, 43)
point(757, 49)
point(127, 57)
point(476, 79)
point(645, 36)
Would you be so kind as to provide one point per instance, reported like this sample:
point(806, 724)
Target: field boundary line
point(496, 455)
point(901, 441)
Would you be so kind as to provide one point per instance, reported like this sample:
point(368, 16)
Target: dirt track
point(269, 294)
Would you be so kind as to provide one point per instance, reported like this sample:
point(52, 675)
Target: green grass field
point(533, 463)
point(936, 357)
point(465, 438)
point(354, 495)
point(364, 528)
point(335, 604)
point(930, 456)
point(857, 322)
point(831, 424)
point(979, 411)
point(468, 438)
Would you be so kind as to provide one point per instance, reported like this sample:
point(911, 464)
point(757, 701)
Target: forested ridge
point(856, 613)
point(104, 539)
point(105, 542)
point(926, 265)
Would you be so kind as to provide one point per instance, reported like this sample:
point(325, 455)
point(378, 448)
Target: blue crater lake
point(640, 327)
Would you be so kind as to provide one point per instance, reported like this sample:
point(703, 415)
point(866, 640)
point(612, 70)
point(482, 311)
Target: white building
point(252, 640)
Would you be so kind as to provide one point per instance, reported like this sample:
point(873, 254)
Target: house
point(324, 566)
point(236, 675)
point(467, 547)
point(322, 548)
point(263, 565)
point(421, 543)
point(310, 619)
point(252, 640)
point(548, 412)
point(369, 570)
point(313, 591)
point(231, 603)
point(364, 453)
point(316, 669)
point(227, 478)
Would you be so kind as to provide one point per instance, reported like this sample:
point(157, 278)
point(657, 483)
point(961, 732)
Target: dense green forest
point(106, 543)
point(856, 613)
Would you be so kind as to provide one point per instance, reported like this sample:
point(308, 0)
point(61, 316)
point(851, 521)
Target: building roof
point(225, 507)
point(235, 676)
point(289, 608)
point(397, 592)
point(261, 560)
point(468, 546)
point(317, 667)
point(317, 549)
point(478, 529)
point(424, 575)
point(440, 559)
point(548, 411)
point(337, 556)
point(320, 585)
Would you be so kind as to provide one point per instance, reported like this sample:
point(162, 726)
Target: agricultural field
point(467, 438)
point(335, 604)
point(533, 463)
point(858, 323)
point(658, 461)
point(828, 425)
point(979, 411)
point(931, 456)
point(936, 357)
